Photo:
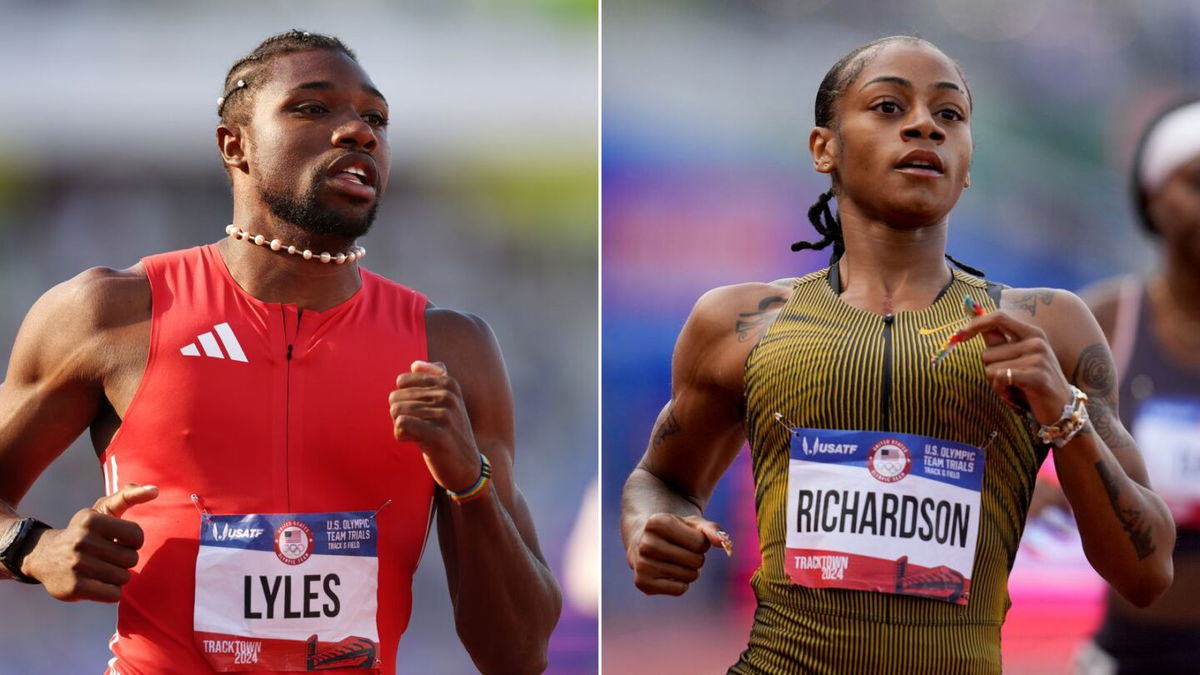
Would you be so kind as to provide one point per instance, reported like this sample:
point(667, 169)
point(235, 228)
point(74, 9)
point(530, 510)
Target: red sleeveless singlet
point(258, 407)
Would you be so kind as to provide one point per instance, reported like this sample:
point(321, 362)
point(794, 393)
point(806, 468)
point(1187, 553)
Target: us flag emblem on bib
point(293, 542)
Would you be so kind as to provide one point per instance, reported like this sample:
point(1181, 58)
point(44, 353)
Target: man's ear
point(967, 182)
point(233, 153)
point(822, 143)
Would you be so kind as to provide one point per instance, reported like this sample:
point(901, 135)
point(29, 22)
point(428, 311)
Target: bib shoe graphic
point(353, 652)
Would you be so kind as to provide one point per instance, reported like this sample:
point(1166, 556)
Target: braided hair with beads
point(248, 72)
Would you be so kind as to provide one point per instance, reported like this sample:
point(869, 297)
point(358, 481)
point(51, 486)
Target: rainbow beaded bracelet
point(475, 491)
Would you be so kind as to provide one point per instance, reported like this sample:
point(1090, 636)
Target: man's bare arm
point(53, 387)
point(506, 601)
point(54, 390)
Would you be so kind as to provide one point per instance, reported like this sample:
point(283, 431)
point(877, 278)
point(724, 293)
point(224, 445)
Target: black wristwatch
point(12, 547)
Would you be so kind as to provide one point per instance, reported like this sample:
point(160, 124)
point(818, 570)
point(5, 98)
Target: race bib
point(287, 591)
point(883, 512)
point(1167, 431)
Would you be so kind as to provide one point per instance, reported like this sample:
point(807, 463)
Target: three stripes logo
point(212, 349)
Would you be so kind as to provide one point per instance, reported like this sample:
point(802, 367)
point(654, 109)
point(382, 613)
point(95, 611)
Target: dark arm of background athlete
point(65, 352)
point(506, 601)
point(695, 439)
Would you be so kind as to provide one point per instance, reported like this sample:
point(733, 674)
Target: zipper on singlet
point(287, 400)
point(885, 405)
point(287, 426)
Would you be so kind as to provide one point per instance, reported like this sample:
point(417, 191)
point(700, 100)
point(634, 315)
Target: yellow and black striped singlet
point(824, 364)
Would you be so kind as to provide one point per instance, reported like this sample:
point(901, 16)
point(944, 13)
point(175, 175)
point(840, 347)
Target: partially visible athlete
point(1153, 328)
point(277, 425)
point(890, 491)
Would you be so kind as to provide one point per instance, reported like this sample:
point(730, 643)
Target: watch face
point(10, 544)
point(7, 538)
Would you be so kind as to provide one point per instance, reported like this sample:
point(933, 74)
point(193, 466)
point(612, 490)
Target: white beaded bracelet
point(1074, 417)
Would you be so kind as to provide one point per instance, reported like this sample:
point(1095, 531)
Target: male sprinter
point(275, 423)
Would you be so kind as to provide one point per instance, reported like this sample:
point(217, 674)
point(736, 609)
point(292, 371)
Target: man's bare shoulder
point(96, 299)
point(73, 323)
point(451, 331)
point(468, 347)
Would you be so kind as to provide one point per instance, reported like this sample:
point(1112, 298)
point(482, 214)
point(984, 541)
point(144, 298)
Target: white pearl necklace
point(356, 253)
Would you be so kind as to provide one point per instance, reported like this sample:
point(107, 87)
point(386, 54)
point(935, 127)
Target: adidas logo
point(208, 342)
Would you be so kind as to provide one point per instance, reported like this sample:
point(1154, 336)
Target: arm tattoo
point(749, 322)
point(1131, 519)
point(1094, 374)
point(1029, 301)
point(667, 425)
point(1108, 427)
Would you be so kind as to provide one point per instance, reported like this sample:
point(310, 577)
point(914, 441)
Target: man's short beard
point(307, 214)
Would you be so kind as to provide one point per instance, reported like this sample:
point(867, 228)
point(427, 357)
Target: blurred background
point(107, 154)
point(707, 179)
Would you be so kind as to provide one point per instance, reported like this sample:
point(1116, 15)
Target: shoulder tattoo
point(1028, 301)
point(750, 323)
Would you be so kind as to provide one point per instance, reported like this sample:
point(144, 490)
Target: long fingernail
point(726, 542)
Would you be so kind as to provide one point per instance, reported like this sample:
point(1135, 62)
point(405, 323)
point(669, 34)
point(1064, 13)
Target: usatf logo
point(293, 542)
point(889, 460)
point(227, 532)
point(818, 447)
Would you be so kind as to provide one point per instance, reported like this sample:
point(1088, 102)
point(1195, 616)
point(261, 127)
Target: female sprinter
point(892, 477)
